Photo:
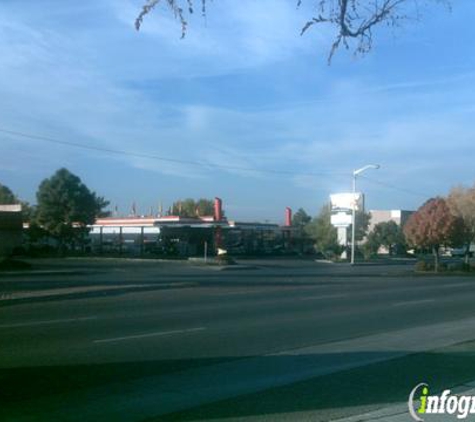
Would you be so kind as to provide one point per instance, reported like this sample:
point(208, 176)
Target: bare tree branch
point(354, 20)
point(175, 6)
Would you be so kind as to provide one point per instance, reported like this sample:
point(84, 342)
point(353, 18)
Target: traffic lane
point(207, 298)
point(228, 328)
point(169, 272)
point(183, 301)
point(201, 275)
point(156, 393)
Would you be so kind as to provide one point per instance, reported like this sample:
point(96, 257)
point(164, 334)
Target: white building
point(400, 217)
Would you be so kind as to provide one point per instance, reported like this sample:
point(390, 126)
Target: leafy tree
point(205, 207)
point(372, 245)
point(6, 196)
point(191, 208)
point(354, 21)
point(387, 234)
point(432, 226)
point(301, 218)
point(461, 202)
point(323, 233)
point(362, 224)
point(28, 211)
point(66, 206)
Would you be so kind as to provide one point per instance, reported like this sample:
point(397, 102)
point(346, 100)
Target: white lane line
point(252, 291)
point(156, 334)
point(266, 290)
point(244, 292)
point(450, 286)
point(45, 322)
point(413, 302)
point(323, 297)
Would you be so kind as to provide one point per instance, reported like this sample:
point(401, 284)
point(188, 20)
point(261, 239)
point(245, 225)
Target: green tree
point(362, 224)
point(372, 245)
point(301, 218)
point(387, 234)
point(434, 225)
point(205, 207)
point(6, 196)
point(28, 211)
point(190, 208)
point(66, 206)
point(323, 233)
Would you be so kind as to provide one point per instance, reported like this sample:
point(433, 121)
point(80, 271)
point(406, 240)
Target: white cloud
point(75, 83)
point(235, 36)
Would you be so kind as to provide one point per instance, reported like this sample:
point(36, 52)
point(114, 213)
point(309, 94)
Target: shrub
point(423, 266)
point(225, 260)
point(455, 266)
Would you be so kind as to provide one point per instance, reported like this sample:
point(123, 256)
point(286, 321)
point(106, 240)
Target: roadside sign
point(346, 201)
point(341, 219)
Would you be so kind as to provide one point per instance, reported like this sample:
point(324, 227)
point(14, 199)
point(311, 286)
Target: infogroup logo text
point(445, 403)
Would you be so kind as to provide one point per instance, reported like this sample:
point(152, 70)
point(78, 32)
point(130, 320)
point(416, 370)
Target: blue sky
point(242, 90)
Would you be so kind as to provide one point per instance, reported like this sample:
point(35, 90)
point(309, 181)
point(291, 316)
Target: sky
point(243, 107)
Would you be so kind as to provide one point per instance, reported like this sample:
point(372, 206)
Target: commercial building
point(11, 228)
point(191, 236)
point(400, 217)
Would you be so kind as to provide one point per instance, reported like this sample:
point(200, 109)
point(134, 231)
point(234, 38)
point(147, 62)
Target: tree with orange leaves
point(434, 225)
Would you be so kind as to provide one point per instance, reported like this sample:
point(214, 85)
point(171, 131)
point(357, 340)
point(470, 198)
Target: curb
point(38, 296)
point(44, 272)
point(399, 412)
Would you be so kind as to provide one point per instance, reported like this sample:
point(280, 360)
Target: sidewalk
point(164, 396)
point(78, 291)
point(400, 413)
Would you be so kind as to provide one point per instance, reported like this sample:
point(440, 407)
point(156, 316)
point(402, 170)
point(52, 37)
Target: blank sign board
point(346, 201)
point(341, 219)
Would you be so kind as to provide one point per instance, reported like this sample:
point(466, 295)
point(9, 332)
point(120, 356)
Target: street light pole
point(353, 212)
point(353, 221)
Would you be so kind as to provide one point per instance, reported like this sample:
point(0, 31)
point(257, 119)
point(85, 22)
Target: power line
point(161, 158)
point(394, 187)
point(197, 163)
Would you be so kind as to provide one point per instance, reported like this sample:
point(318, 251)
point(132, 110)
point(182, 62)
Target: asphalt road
point(181, 342)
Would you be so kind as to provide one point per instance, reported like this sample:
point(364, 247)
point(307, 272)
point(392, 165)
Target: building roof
point(11, 217)
point(152, 221)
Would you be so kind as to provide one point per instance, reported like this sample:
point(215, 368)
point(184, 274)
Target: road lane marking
point(156, 334)
point(323, 297)
point(450, 286)
point(290, 289)
point(252, 291)
point(45, 322)
point(413, 302)
point(242, 292)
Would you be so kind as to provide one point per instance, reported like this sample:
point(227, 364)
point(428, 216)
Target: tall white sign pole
point(353, 219)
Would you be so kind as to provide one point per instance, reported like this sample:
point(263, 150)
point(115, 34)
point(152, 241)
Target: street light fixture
point(353, 220)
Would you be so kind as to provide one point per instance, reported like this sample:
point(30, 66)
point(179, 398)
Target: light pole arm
point(362, 169)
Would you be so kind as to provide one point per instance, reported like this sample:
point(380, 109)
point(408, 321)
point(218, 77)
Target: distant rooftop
point(10, 208)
